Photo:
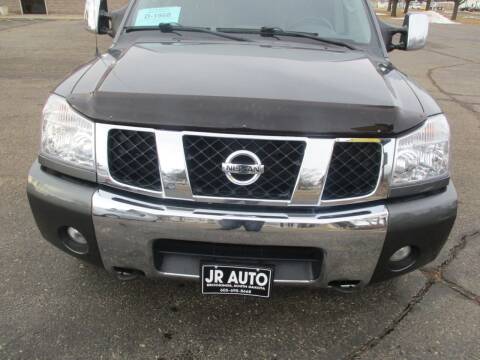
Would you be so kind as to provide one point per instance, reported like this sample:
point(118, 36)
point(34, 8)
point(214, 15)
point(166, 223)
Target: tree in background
point(429, 5)
point(407, 5)
point(389, 7)
point(394, 8)
point(456, 6)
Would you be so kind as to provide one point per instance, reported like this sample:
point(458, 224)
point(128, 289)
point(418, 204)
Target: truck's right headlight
point(423, 155)
point(67, 137)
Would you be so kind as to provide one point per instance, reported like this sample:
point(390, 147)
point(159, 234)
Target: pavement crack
point(392, 326)
point(433, 276)
point(454, 251)
point(437, 275)
point(23, 23)
point(449, 95)
point(462, 291)
point(451, 56)
point(436, 84)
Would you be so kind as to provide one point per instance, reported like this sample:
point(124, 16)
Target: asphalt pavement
point(54, 307)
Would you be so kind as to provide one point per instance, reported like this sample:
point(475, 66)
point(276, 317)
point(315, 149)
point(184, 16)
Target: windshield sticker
point(159, 15)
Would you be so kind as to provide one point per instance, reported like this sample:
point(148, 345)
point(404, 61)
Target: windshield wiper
point(275, 31)
point(170, 28)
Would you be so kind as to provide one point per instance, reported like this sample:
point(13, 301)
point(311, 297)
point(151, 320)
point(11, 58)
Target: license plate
point(236, 280)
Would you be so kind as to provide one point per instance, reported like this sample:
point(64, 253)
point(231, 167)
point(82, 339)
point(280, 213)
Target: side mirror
point(96, 16)
point(417, 31)
point(411, 36)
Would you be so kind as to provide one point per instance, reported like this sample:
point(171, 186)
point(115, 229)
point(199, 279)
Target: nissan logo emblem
point(231, 168)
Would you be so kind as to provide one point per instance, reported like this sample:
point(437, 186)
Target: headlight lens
point(423, 155)
point(67, 136)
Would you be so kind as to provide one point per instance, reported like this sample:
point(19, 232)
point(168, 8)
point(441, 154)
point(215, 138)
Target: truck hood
point(247, 88)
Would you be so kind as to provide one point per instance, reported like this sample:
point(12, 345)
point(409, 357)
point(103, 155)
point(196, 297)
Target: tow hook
point(345, 286)
point(123, 274)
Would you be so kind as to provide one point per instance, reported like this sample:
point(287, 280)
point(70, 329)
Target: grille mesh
point(133, 159)
point(205, 155)
point(354, 170)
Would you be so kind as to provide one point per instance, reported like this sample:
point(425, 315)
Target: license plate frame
point(247, 280)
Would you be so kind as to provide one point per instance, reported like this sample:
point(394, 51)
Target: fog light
point(76, 236)
point(75, 241)
point(401, 254)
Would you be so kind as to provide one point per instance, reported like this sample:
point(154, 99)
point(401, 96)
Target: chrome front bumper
point(126, 229)
point(354, 242)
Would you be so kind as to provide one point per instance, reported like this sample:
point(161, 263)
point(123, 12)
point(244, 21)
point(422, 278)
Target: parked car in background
point(471, 5)
point(416, 5)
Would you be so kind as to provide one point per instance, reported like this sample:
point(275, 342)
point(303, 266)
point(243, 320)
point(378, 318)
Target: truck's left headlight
point(67, 137)
point(422, 156)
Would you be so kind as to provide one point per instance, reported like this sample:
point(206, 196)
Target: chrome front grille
point(133, 159)
point(297, 171)
point(205, 154)
point(354, 170)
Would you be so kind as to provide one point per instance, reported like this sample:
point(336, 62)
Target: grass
point(469, 18)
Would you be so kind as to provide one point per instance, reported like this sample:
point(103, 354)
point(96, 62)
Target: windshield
point(346, 20)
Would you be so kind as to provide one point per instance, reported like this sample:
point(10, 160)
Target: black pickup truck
point(246, 144)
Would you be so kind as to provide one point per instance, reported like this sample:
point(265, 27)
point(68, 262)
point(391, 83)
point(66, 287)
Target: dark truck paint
point(328, 93)
point(263, 87)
